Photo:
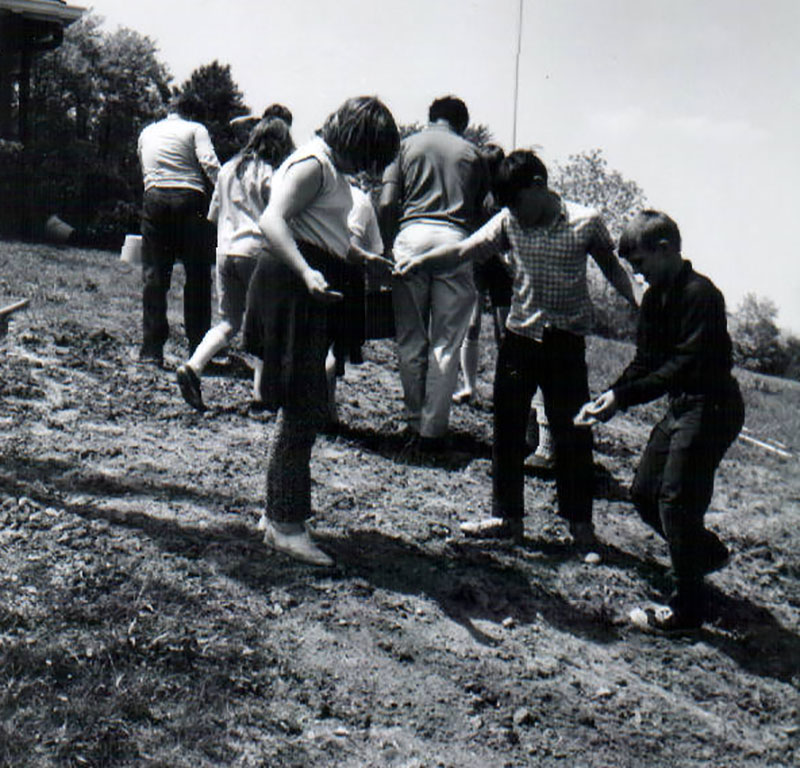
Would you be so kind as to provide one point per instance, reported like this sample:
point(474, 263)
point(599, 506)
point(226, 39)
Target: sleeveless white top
point(324, 222)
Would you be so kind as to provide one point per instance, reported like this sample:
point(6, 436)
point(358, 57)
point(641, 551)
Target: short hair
point(452, 109)
point(364, 133)
point(519, 170)
point(647, 229)
point(184, 104)
point(270, 141)
point(279, 111)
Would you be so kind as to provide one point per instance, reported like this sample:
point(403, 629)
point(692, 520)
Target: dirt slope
point(142, 622)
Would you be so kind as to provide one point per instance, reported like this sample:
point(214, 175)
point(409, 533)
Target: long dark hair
point(270, 141)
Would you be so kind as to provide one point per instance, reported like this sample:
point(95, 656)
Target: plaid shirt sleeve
point(601, 240)
point(489, 240)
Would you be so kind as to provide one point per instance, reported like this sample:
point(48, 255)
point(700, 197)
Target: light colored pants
point(432, 308)
point(233, 279)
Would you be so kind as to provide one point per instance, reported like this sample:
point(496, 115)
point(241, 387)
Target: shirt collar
point(441, 125)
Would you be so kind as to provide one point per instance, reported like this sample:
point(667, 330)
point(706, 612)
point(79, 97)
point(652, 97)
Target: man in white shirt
point(178, 164)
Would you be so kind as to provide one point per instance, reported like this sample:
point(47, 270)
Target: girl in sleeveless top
point(296, 306)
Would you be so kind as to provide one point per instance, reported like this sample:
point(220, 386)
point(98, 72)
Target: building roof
point(43, 10)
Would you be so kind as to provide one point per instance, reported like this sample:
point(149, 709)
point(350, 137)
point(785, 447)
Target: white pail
point(57, 230)
point(132, 250)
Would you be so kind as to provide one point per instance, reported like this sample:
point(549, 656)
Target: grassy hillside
point(143, 622)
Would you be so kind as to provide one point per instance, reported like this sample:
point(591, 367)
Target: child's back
point(240, 197)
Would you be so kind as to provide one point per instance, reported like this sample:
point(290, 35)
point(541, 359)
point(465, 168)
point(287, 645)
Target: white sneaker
point(294, 540)
point(494, 528)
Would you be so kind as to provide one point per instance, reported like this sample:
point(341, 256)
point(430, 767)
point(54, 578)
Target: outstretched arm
point(489, 239)
point(389, 204)
point(359, 255)
point(450, 254)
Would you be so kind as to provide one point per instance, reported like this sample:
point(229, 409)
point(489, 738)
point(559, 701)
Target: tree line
point(89, 100)
point(91, 97)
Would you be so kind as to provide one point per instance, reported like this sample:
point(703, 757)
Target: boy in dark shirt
point(683, 350)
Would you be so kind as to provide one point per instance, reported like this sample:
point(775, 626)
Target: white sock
point(215, 340)
point(470, 354)
point(258, 369)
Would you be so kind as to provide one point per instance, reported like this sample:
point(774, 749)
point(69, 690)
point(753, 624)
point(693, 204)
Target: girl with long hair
point(240, 197)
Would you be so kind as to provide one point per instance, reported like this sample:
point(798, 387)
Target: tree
point(214, 100)
point(793, 358)
point(756, 337)
point(586, 179)
point(91, 98)
point(133, 86)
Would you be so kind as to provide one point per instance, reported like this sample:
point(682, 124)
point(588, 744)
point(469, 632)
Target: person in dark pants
point(684, 351)
point(547, 241)
point(298, 302)
point(557, 364)
point(178, 164)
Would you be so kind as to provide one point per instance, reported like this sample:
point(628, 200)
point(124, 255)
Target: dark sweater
point(682, 344)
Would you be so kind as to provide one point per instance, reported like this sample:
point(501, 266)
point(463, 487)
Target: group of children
point(286, 262)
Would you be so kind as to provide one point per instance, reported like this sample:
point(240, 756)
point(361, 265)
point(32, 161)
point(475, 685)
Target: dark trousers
point(557, 364)
point(675, 478)
point(292, 332)
point(288, 479)
point(175, 228)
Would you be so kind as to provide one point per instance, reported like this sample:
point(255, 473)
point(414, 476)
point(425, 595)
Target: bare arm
point(359, 255)
point(448, 255)
point(489, 239)
point(300, 186)
point(389, 204)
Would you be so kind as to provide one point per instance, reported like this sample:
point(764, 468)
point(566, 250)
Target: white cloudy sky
point(695, 100)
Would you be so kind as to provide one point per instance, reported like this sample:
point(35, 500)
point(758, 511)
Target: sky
point(697, 101)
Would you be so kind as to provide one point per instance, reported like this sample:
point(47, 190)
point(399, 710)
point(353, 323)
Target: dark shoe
point(495, 528)
point(715, 555)
point(664, 619)
point(257, 406)
point(190, 387)
point(586, 543)
point(149, 356)
point(432, 445)
point(409, 445)
point(584, 537)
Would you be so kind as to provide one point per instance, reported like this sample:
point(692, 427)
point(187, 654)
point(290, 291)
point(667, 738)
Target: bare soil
point(143, 622)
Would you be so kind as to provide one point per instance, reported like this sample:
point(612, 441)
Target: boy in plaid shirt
point(546, 240)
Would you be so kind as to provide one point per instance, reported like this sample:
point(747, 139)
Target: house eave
point(43, 10)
